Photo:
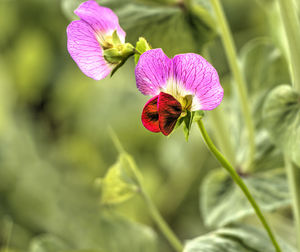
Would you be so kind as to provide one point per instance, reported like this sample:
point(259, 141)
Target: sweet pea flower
point(96, 42)
point(185, 83)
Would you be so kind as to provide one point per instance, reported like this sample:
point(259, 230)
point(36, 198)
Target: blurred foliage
point(54, 138)
point(219, 194)
point(233, 239)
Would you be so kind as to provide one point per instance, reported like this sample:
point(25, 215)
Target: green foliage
point(120, 182)
point(263, 65)
point(223, 202)
point(30, 81)
point(282, 119)
point(112, 237)
point(237, 238)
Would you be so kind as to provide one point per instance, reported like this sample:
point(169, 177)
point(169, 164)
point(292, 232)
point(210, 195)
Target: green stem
point(156, 216)
point(239, 182)
point(160, 222)
point(292, 29)
point(293, 173)
point(230, 50)
point(289, 16)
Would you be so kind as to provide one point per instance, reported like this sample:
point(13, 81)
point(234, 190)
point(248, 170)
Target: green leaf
point(187, 123)
point(237, 238)
point(281, 114)
point(219, 193)
point(263, 65)
point(120, 182)
point(141, 46)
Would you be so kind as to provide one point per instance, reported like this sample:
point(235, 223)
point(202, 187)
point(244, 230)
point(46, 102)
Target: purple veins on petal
point(153, 71)
point(86, 51)
point(198, 77)
point(85, 37)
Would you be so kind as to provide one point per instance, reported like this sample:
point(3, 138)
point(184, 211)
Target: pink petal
point(200, 78)
point(102, 19)
point(153, 71)
point(86, 51)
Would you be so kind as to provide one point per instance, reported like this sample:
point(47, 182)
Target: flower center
point(180, 94)
point(107, 42)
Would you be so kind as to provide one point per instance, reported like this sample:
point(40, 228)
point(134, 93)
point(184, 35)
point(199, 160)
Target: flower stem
point(161, 223)
point(230, 50)
point(239, 182)
point(156, 216)
point(292, 29)
point(288, 12)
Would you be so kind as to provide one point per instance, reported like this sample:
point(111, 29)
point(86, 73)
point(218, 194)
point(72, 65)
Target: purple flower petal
point(153, 71)
point(102, 19)
point(200, 78)
point(86, 51)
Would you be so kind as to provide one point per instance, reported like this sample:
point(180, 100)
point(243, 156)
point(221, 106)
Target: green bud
point(141, 47)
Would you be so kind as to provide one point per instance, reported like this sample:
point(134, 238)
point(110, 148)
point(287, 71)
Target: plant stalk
point(291, 25)
point(232, 58)
point(161, 223)
point(289, 16)
point(239, 182)
point(156, 216)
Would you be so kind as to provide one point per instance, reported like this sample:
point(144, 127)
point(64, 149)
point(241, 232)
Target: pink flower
point(186, 82)
point(90, 36)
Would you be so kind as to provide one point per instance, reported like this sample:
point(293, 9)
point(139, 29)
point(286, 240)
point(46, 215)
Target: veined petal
point(199, 78)
point(169, 110)
point(86, 51)
point(102, 19)
point(153, 71)
point(150, 115)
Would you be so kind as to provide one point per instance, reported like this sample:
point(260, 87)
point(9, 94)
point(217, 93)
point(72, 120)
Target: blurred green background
point(54, 137)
